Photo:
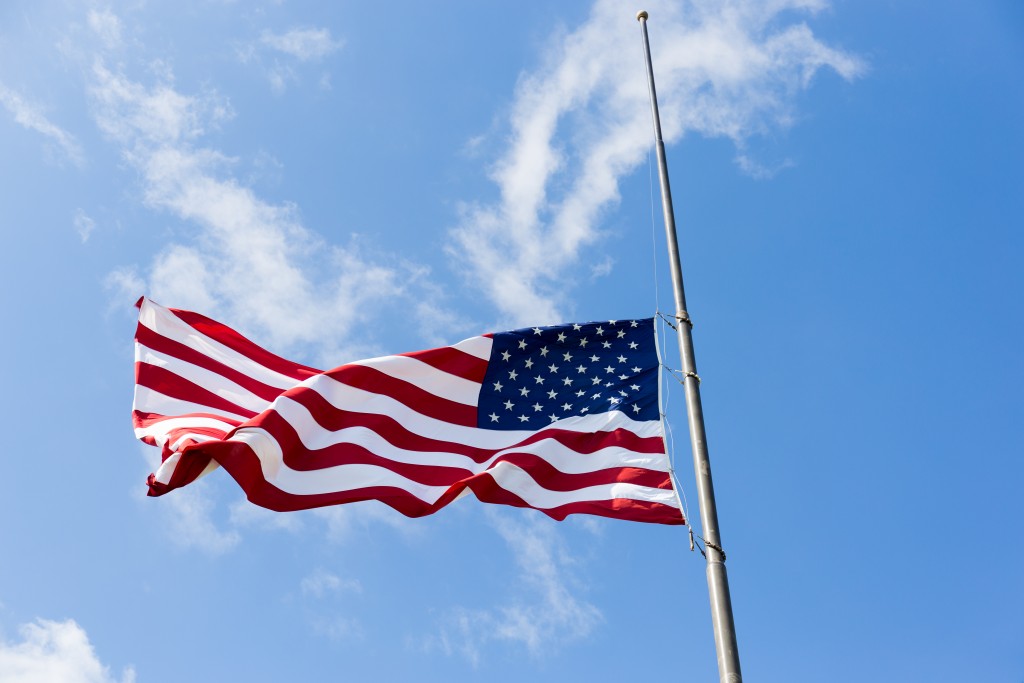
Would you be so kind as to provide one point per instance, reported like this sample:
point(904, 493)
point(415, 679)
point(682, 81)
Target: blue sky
point(338, 181)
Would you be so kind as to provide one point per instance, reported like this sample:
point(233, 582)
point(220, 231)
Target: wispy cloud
point(55, 651)
point(581, 121)
point(322, 583)
point(304, 44)
point(106, 25)
point(249, 261)
point(83, 225)
point(548, 613)
point(281, 54)
point(189, 523)
point(30, 116)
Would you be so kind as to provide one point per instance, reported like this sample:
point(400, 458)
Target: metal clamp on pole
point(718, 581)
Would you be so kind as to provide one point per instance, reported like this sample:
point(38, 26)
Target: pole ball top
point(642, 14)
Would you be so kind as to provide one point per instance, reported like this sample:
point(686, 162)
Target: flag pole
point(718, 580)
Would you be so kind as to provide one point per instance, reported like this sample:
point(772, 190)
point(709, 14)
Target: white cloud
point(107, 26)
point(548, 614)
point(250, 262)
point(244, 513)
point(84, 225)
point(322, 583)
point(305, 44)
point(189, 523)
point(54, 651)
point(726, 68)
point(29, 116)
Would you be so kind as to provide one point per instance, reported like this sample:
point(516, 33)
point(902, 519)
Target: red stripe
point(166, 346)
point(453, 361)
point(243, 465)
point(169, 384)
point(233, 340)
point(407, 393)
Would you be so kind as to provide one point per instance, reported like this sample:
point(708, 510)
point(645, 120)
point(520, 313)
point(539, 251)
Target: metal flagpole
point(718, 580)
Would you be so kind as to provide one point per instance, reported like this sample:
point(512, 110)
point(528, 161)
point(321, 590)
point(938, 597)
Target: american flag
point(564, 419)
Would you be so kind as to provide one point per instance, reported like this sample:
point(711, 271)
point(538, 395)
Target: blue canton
point(539, 375)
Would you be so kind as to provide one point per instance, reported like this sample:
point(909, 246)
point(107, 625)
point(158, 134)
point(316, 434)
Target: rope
point(681, 376)
point(707, 544)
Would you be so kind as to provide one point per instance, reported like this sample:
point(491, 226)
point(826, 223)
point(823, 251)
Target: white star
point(615, 400)
point(584, 409)
point(512, 374)
point(538, 379)
point(567, 356)
point(522, 344)
point(566, 406)
point(508, 405)
point(581, 369)
point(536, 330)
point(623, 376)
point(622, 393)
point(553, 368)
point(523, 418)
point(597, 395)
point(612, 322)
point(606, 344)
point(597, 380)
point(529, 363)
point(497, 386)
point(609, 369)
point(600, 330)
point(621, 334)
point(577, 327)
point(554, 418)
point(537, 407)
point(583, 342)
point(636, 408)
point(524, 391)
point(580, 392)
point(608, 384)
point(544, 351)
point(594, 359)
point(634, 369)
point(633, 323)
point(561, 336)
point(552, 393)
point(633, 345)
point(622, 359)
point(505, 355)
point(567, 381)
point(634, 387)
point(494, 418)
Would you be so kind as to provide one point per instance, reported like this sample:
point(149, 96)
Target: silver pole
point(718, 580)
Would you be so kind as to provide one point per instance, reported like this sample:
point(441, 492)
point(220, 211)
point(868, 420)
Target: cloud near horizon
point(54, 651)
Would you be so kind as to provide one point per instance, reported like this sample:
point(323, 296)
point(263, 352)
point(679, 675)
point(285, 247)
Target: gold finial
point(642, 14)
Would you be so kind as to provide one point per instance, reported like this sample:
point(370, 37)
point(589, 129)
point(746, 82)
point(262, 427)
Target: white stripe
point(476, 346)
point(166, 470)
point(426, 377)
point(561, 457)
point(207, 379)
point(343, 478)
point(167, 425)
point(166, 324)
point(149, 401)
point(346, 398)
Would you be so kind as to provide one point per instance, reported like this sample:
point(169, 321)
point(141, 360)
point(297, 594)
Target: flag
point(564, 419)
